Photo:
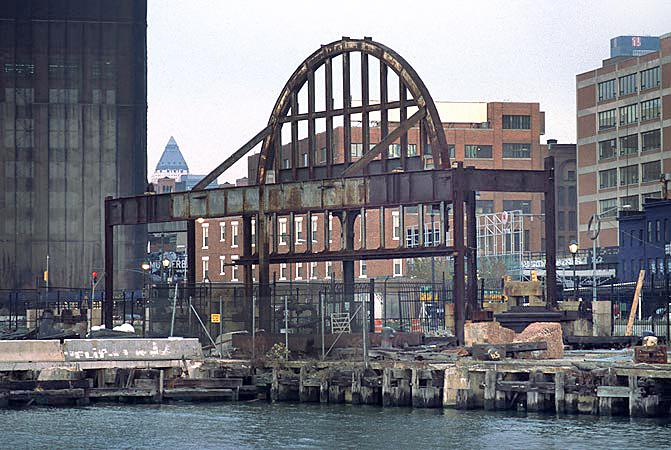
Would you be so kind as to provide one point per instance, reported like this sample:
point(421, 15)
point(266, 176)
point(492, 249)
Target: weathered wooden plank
point(114, 392)
point(197, 393)
point(612, 391)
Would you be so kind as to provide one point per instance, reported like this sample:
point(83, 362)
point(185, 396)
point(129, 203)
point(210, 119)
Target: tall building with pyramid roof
point(172, 163)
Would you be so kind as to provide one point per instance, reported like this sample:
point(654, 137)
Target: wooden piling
point(490, 389)
point(560, 392)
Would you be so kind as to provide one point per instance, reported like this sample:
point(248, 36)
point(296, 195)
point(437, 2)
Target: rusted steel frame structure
point(329, 189)
point(346, 198)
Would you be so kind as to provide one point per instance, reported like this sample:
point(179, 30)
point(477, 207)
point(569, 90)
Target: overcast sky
point(215, 68)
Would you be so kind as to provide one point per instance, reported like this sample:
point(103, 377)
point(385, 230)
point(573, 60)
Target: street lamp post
point(573, 248)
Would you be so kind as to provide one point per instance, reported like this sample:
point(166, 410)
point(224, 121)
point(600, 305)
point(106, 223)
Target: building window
point(283, 231)
point(234, 234)
point(398, 267)
point(322, 155)
point(561, 194)
point(651, 195)
point(607, 149)
point(305, 159)
point(394, 151)
point(299, 229)
point(362, 269)
point(478, 151)
point(356, 150)
point(286, 163)
point(283, 271)
point(608, 207)
point(206, 234)
point(629, 145)
point(313, 270)
point(330, 228)
point(253, 232)
point(560, 220)
point(651, 140)
point(234, 269)
point(628, 114)
point(517, 150)
point(514, 205)
point(658, 230)
point(206, 268)
point(650, 109)
point(651, 171)
point(313, 231)
point(328, 269)
point(607, 90)
point(511, 122)
point(631, 200)
point(412, 150)
point(484, 206)
point(572, 198)
point(650, 78)
point(222, 231)
point(572, 222)
point(411, 237)
point(222, 265)
point(431, 233)
point(628, 84)
point(649, 231)
point(607, 119)
point(396, 225)
point(451, 150)
point(629, 175)
point(299, 271)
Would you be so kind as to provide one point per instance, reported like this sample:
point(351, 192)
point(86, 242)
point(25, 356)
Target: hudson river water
point(261, 425)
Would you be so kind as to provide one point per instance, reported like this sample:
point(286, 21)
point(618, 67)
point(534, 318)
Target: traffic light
point(94, 277)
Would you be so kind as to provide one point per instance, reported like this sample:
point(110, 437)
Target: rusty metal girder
point(374, 191)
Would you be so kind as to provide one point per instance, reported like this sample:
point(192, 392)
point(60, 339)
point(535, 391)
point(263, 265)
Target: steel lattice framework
point(344, 188)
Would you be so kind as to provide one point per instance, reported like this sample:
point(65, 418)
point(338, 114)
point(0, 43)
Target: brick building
point(623, 135)
point(485, 135)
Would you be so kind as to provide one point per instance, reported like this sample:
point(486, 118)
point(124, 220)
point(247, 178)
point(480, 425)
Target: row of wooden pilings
point(600, 392)
point(605, 391)
point(388, 386)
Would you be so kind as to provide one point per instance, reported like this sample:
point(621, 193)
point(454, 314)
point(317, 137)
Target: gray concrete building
point(73, 108)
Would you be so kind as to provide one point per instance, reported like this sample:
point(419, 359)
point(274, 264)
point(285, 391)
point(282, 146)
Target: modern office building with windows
point(623, 133)
point(73, 114)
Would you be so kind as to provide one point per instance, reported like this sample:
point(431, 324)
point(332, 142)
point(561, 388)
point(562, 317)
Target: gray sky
point(215, 68)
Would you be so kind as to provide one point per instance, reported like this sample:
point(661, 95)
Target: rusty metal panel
point(180, 205)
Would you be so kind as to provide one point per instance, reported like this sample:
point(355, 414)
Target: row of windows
point(657, 231)
point(656, 266)
point(649, 109)
point(572, 221)
point(649, 79)
point(630, 174)
point(650, 141)
point(608, 207)
point(298, 269)
point(472, 151)
point(516, 122)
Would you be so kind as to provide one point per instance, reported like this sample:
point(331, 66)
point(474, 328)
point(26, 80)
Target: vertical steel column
point(108, 310)
point(292, 232)
point(294, 135)
point(327, 224)
point(472, 254)
point(384, 115)
point(308, 232)
point(190, 256)
point(365, 124)
point(401, 226)
point(346, 104)
point(442, 239)
point(311, 124)
point(248, 275)
point(458, 222)
point(264, 303)
point(347, 225)
point(328, 91)
point(550, 242)
point(420, 224)
point(382, 230)
point(276, 231)
point(403, 96)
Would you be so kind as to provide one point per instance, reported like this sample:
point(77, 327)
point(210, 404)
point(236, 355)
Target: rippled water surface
point(263, 425)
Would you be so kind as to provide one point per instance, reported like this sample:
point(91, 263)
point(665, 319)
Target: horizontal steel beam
point(373, 191)
point(341, 111)
point(351, 255)
point(499, 180)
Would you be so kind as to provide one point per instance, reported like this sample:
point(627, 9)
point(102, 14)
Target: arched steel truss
point(286, 111)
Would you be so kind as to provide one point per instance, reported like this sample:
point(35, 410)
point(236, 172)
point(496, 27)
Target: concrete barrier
point(131, 349)
point(27, 351)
